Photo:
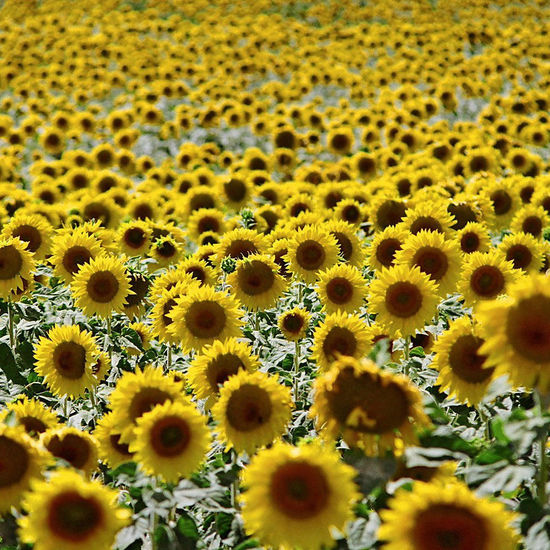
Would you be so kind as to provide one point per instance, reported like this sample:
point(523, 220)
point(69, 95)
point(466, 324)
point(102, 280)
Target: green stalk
point(542, 478)
point(407, 354)
point(11, 326)
point(296, 368)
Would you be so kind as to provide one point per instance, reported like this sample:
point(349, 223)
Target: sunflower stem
point(153, 518)
point(65, 402)
point(257, 321)
point(296, 368)
point(235, 482)
point(169, 358)
point(110, 333)
point(407, 354)
point(542, 478)
point(300, 292)
point(11, 326)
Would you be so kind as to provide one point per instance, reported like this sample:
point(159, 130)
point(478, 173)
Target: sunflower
point(67, 512)
point(169, 279)
point(160, 314)
point(71, 250)
point(137, 393)
point(341, 288)
point(136, 301)
point(530, 219)
point(101, 286)
point(311, 251)
point(296, 496)
point(473, 237)
point(235, 191)
point(203, 316)
point(516, 330)
point(370, 408)
point(428, 216)
point(65, 358)
point(134, 238)
point(293, 323)
point(350, 211)
point(386, 210)
point(253, 410)
point(523, 250)
point(505, 200)
point(74, 446)
point(101, 366)
point(31, 229)
point(171, 440)
point(144, 333)
point(23, 460)
point(339, 334)
point(256, 282)
point(199, 270)
point(16, 264)
point(485, 276)
point(441, 516)
point(35, 417)
point(53, 141)
point(404, 299)
point(435, 256)
point(165, 251)
point(205, 219)
point(240, 243)
point(459, 363)
point(384, 246)
point(212, 367)
point(111, 450)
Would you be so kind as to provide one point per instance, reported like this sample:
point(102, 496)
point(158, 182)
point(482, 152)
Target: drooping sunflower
point(473, 237)
point(253, 410)
point(101, 286)
point(339, 334)
point(403, 298)
point(35, 417)
point(530, 219)
point(442, 516)
point(71, 250)
point(74, 446)
point(384, 246)
point(31, 229)
point(523, 250)
point(296, 495)
point(341, 288)
point(65, 358)
point(311, 251)
point(435, 256)
point(16, 265)
point(516, 330)
point(203, 316)
point(134, 238)
point(171, 440)
point(256, 282)
point(137, 393)
point(294, 323)
point(23, 460)
point(460, 364)
point(370, 408)
point(111, 450)
point(212, 367)
point(485, 276)
point(67, 512)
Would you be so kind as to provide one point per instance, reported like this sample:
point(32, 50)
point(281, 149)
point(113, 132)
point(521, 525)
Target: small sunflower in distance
point(65, 359)
point(101, 286)
point(459, 363)
point(67, 512)
point(252, 411)
point(341, 288)
point(23, 460)
point(403, 298)
point(256, 282)
point(293, 323)
point(370, 408)
point(384, 246)
point(516, 330)
point(297, 495)
point(171, 440)
point(203, 316)
point(440, 516)
point(311, 251)
point(485, 276)
point(16, 264)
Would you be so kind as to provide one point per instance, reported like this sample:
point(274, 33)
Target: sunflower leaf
point(9, 365)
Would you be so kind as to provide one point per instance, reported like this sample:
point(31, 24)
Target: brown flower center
point(72, 448)
point(135, 237)
point(293, 323)
point(339, 340)
point(390, 213)
point(117, 445)
point(339, 290)
point(465, 361)
point(69, 359)
point(487, 281)
point(425, 223)
point(432, 261)
point(205, 319)
point(74, 257)
point(145, 400)
point(248, 408)
point(170, 436)
point(502, 202)
point(532, 225)
point(520, 256)
point(344, 245)
point(30, 235)
point(221, 368)
point(14, 461)
point(240, 248)
point(33, 426)
point(310, 255)
point(403, 299)
point(11, 262)
point(385, 251)
point(469, 242)
point(255, 278)
point(102, 287)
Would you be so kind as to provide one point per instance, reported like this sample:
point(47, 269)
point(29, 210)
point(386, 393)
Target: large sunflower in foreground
point(212, 367)
point(203, 316)
point(253, 409)
point(460, 365)
point(297, 495)
point(171, 440)
point(339, 334)
point(16, 264)
point(65, 359)
point(370, 408)
point(517, 332)
point(101, 286)
point(22, 460)
point(438, 516)
point(68, 513)
point(403, 298)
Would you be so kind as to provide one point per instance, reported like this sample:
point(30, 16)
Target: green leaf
point(187, 527)
point(9, 366)
point(249, 543)
point(223, 523)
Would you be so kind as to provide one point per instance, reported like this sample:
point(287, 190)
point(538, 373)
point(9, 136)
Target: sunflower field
point(274, 274)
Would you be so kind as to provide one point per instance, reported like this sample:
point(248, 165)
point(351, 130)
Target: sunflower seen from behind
point(296, 495)
point(67, 512)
